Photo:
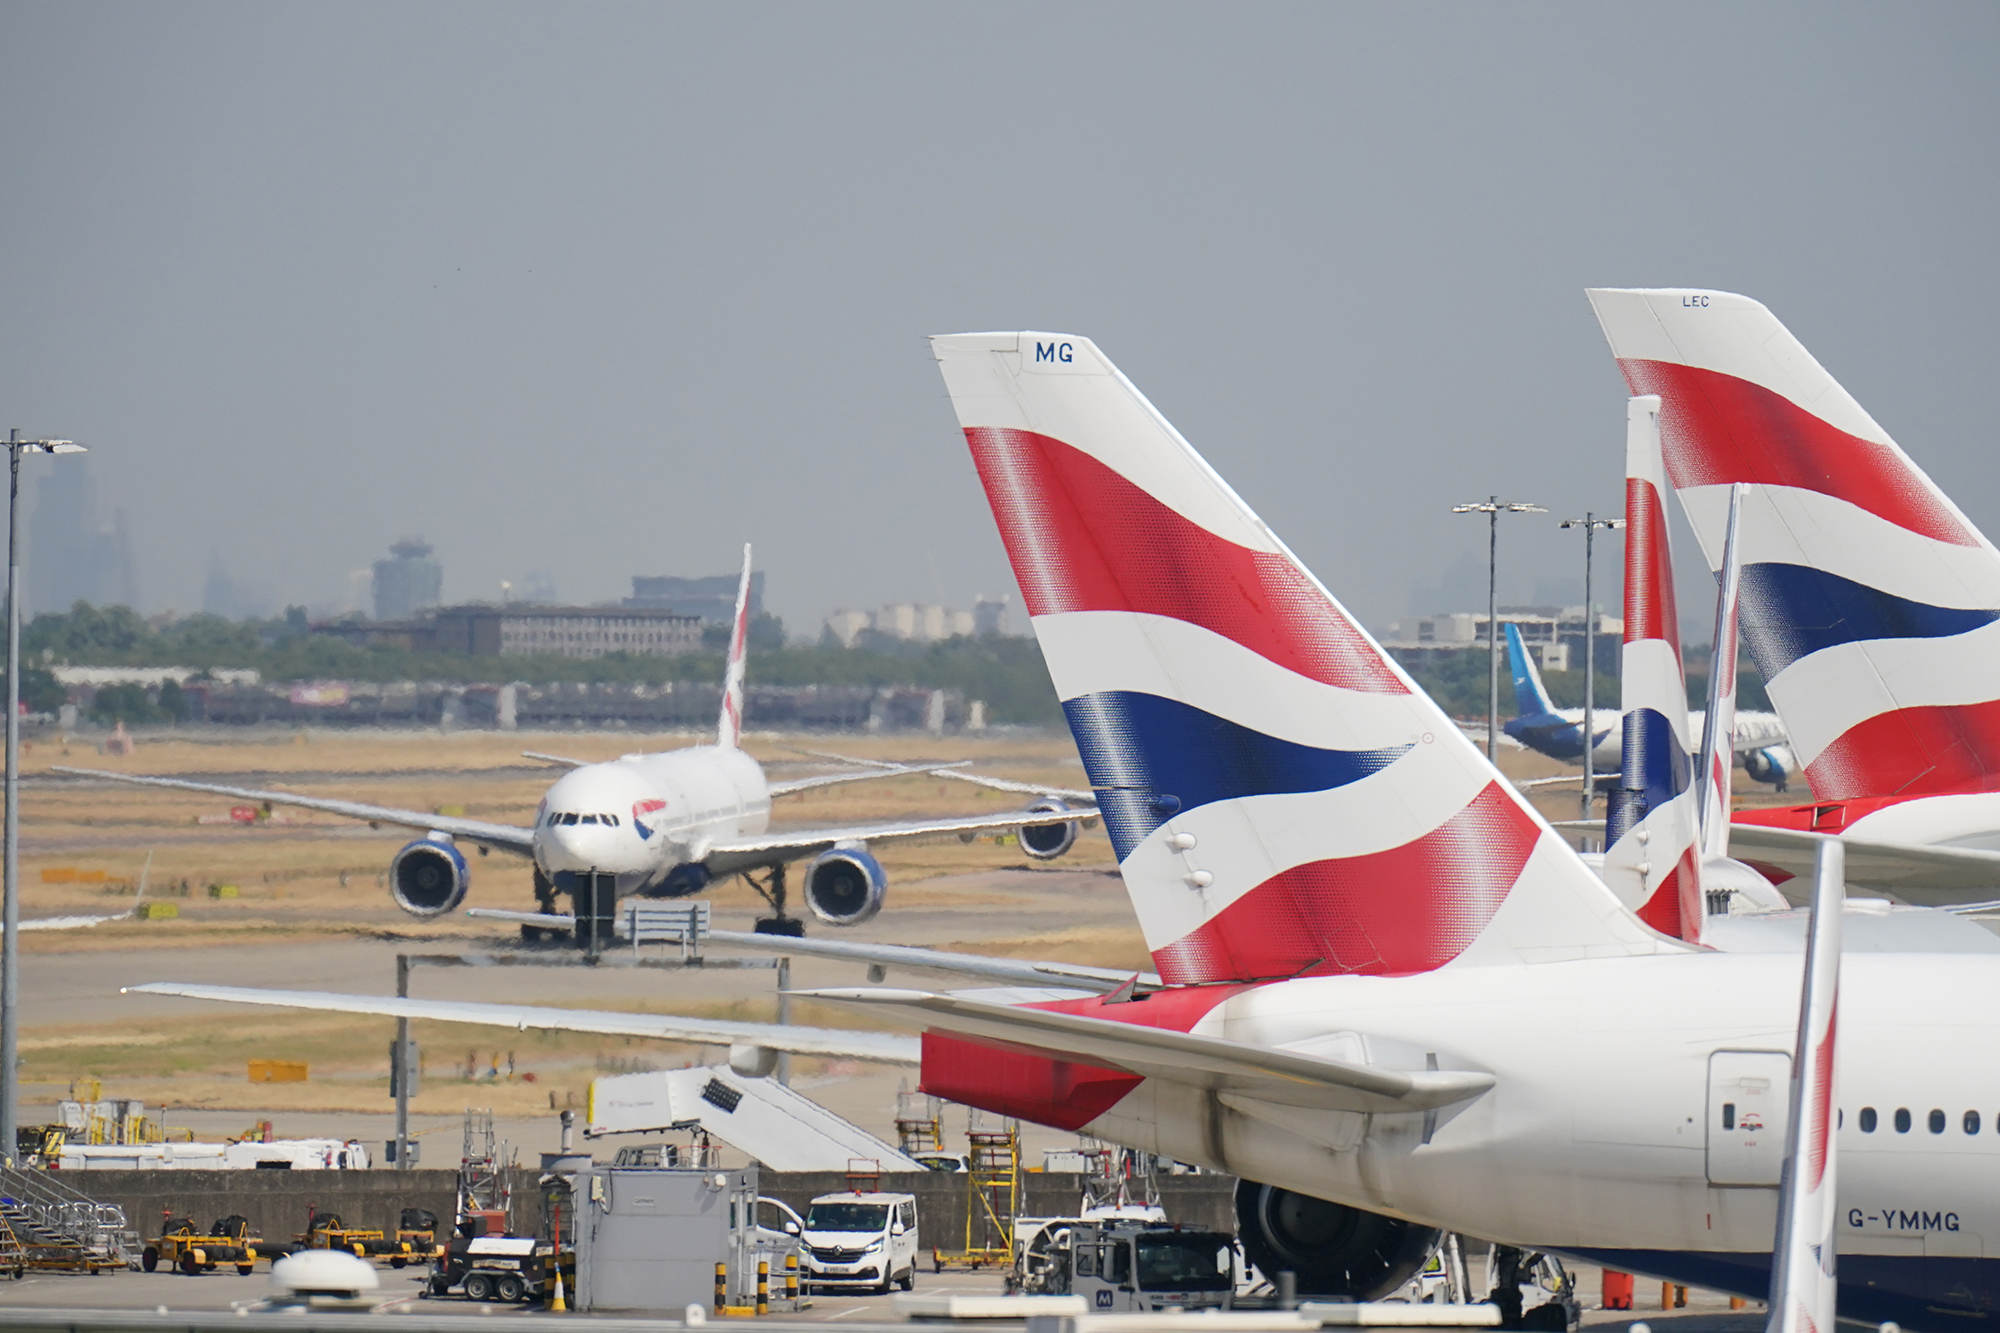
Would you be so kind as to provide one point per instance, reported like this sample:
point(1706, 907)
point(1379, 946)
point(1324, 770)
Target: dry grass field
point(310, 910)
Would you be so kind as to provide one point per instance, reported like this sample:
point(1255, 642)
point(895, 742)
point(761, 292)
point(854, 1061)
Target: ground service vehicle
point(1132, 1266)
point(181, 1246)
point(416, 1230)
point(325, 1231)
point(857, 1239)
point(499, 1268)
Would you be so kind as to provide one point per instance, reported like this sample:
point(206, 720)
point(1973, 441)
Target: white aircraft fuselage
point(644, 817)
point(1605, 1135)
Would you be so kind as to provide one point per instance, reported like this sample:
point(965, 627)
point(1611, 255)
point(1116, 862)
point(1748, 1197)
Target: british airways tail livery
point(1650, 856)
point(1282, 800)
point(1869, 601)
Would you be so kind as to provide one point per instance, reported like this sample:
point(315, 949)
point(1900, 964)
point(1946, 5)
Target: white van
point(866, 1240)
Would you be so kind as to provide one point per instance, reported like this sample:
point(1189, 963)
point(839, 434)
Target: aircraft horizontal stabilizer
point(1926, 874)
point(883, 1047)
point(1266, 1073)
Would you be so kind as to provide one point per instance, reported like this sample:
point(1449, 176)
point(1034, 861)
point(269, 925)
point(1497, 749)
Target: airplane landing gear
point(545, 903)
point(772, 890)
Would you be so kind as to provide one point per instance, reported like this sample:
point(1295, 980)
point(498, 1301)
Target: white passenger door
point(1748, 1104)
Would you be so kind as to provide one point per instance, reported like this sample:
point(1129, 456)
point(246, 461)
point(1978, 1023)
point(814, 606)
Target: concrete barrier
point(277, 1202)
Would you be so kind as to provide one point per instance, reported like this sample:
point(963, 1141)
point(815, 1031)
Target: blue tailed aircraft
point(1558, 732)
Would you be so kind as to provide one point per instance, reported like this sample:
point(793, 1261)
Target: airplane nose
point(579, 847)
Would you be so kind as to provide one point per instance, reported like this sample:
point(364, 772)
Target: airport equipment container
point(649, 1238)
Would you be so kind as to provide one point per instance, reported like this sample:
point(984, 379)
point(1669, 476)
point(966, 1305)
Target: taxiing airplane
point(1759, 737)
point(1869, 600)
point(1388, 997)
point(667, 824)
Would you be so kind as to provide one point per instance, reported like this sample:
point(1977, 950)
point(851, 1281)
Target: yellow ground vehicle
point(325, 1231)
point(417, 1230)
point(181, 1246)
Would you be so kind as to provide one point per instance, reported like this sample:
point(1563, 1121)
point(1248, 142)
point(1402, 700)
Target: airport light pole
point(1493, 508)
point(1590, 523)
point(10, 896)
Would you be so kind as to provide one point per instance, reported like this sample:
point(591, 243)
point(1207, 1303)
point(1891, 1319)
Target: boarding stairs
point(52, 1227)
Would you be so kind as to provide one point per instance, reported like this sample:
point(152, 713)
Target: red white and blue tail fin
point(1802, 1253)
point(1650, 856)
point(1282, 800)
point(729, 731)
point(1718, 734)
point(1870, 603)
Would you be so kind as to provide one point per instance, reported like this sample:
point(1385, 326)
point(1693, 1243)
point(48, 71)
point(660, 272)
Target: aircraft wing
point(507, 837)
point(1013, 971)
point(1261, 1073)
point(68, 922)
point(882, 1047)
point(1928, 875)
point(564, 760)
point(725, 855)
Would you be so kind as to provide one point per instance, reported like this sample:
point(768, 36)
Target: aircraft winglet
point(1802, 1252)
point(729, 731)
point(1718, 732)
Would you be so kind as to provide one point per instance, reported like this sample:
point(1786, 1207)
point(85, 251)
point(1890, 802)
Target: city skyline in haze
point(583, 293)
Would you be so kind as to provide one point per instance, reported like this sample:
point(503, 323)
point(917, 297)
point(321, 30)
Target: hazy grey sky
point(609, 289)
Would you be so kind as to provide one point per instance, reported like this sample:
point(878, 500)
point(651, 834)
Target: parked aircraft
point(1759, 737)
point(1869, 601)
point(667, 824)
point(1389, 998)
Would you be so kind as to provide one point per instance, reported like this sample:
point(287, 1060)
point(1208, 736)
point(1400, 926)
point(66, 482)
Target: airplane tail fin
point(1283, 801)
point(1651, 857)
point(729, 731)
point(1869, 601)
point(1529, 696)
point(1718, 735)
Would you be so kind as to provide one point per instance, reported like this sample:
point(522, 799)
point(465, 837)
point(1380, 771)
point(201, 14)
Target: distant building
point(712, 598)
point(989, 616)
point(74, 551)
point(516, 630)
point(1554, 634)
point(408, 582)
point(909, 622)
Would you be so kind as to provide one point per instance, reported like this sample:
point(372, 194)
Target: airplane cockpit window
point(587, 819)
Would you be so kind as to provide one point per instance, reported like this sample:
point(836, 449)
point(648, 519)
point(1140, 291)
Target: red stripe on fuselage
point(1084, 538)
point(1408, 909)
point(1912, 752)
point(1032, 1084)
point(1716, 429)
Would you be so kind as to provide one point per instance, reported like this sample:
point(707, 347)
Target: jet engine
point(1335, 1250)
point(1772, 764)
point(845, 886)
point(429, 877)
point(1045, 842)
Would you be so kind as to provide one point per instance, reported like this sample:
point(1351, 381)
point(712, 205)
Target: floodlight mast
point(1590, 523)
point(10, 894)
point(1493, 508)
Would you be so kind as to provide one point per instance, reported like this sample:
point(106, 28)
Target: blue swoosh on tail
point(1791, 611)
point(1152, 758)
